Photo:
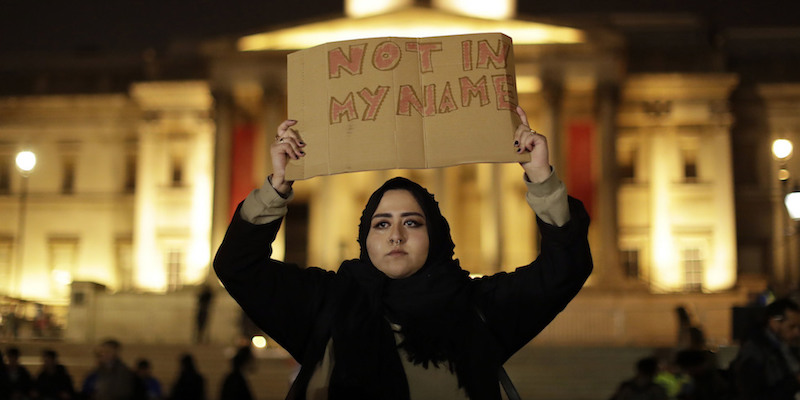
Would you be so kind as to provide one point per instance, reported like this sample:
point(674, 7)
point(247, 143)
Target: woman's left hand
point(528, 140)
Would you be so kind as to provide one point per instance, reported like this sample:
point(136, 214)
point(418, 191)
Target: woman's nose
point(396, 235)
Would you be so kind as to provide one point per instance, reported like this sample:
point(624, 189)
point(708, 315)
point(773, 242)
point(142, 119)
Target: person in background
point(670, 376)
point(642, 386)
point(767, 366)
point(5, 385)
point(115, 381)
point(20, 380)
point(53, 382)
point(707, 381)
point(235, 386)
point(152, 387)
point(204, 298)
point(90, 381)
point(190, 385)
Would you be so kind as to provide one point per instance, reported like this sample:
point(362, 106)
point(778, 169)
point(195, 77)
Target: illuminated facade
point(676, 209)
point(484, 203)
point(134, 190)
point(120, 195)
point(667, 231)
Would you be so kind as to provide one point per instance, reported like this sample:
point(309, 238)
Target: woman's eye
point(381, 224)
point(413, 223)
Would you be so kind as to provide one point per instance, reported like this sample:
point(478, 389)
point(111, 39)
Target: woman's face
point(397, 242)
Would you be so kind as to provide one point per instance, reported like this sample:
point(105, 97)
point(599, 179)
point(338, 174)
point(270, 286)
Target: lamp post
point(782, 150)
point(26, 161)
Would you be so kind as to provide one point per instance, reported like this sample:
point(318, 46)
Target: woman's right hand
point(287, 145)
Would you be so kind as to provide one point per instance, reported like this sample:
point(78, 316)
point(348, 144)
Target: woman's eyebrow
point(405, 214)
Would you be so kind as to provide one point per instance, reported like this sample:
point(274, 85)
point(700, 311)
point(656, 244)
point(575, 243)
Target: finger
point(285, 132)
point(291, 148)
point(284, 126)
point(536, 139)
point(530, 140)
point(519, 134)
point(522, 116)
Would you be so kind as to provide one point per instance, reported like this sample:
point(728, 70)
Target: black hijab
point(432, 307)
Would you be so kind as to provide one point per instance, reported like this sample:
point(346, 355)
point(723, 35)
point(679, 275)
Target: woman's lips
point(397, 252)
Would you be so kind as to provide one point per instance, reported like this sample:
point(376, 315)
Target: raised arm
point(287, 145)
point(520, 304)
point(528, 140)
point(282, 299)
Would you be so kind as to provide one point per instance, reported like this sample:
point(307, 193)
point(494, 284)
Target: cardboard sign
point(403, 103)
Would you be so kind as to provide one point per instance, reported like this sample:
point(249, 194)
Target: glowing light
point(363, 8)
point(792, 202)
point(409, 22)
point(783, 174)
point(479, 8)
point(199, 253)
point(259, 342)
point(528, 84)
point(62, 277)
point(782, 149)
point(26, 161)
point(720, 275)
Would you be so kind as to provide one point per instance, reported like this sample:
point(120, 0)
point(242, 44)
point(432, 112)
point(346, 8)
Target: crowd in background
point(112, 379)
point(766, 367)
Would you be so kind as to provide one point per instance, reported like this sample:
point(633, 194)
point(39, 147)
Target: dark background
point(120, 25)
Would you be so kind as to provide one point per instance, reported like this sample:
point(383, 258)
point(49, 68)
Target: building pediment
point(412, 21)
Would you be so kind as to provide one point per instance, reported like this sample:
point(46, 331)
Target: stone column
point(611, 274)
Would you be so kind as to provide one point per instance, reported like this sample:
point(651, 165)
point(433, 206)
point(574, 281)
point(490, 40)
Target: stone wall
point(96, 314)
point(593, 318)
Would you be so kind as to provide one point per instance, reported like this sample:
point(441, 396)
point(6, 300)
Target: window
point(630, 263)
point(5, 174)
point(63, 263)
point(174, 259)
point(689, 142)
point(68, 176)
point(693, 270)
point(130, 173)
point(627, 152)
point(176, 179)
point(627, 170)
point(690, 166)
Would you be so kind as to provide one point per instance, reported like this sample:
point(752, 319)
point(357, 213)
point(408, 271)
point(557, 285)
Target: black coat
point(189, 386)
point(55, 384)
point(760, 371)
point(285, 300)
point(235, 387)
point(20, 382)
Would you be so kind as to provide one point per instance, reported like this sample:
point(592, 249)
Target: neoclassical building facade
point(133, 189)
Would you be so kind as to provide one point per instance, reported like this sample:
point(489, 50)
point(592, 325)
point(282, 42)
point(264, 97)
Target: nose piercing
point(395, 241)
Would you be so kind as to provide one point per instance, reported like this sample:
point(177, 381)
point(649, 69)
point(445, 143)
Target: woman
point(190, 385)
point(234, 386)
point(403, 321)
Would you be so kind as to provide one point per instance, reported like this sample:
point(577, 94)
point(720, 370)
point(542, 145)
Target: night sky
point(124, 25)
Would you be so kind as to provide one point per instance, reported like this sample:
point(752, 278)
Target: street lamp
point(782, 150)
point(792, 202)
point(26, 161)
